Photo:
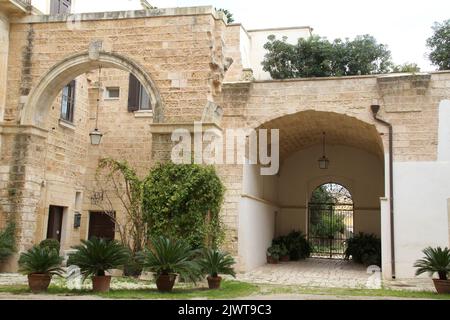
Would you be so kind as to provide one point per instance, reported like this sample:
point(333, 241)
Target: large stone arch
point(44, 93)
point(353, 136)
point(305, 128)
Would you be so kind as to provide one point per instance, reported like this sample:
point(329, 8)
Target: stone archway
point(278, 205)
point(42, 96)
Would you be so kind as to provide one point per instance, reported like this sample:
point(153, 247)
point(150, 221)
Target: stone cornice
point(169, 128)
point(13, 129)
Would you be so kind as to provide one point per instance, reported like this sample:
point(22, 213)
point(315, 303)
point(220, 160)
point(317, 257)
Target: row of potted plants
point(166, 258)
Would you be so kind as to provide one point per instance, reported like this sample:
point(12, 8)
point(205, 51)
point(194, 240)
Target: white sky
point(404, 25)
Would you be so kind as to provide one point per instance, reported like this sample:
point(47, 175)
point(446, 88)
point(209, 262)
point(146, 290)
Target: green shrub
point(296, 244)
point(97, 256)
point(7, 241)
point(364, 249)
point(435, 261)
point(169, 256)
point(40, 260)
point(183, 202)
point(51, 244)
point(215, 262)
point(274, 251)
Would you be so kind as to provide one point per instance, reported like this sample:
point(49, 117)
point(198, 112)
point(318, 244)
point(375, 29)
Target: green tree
point(406, 67)
point(318, 57)
point(439, 44)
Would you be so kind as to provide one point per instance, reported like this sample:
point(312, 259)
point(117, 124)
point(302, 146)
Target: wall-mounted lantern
point(77, 220)
point(96, 136)
point(324, 162)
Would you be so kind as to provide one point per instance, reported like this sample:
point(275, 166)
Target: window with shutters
point(138, 98)
point(60, 6)
point(68, 102)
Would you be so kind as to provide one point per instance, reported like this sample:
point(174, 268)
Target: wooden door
point(101, 226)
point(55, 219)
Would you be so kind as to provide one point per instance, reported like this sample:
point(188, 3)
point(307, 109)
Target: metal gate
point(330, 226)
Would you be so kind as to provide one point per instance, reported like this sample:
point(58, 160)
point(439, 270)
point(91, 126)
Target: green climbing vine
point(184, 201)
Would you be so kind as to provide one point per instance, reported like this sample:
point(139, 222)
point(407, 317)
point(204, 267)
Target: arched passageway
point(274, 206)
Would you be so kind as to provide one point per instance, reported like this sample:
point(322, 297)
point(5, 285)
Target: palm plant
point(169, 257)
point(214, 263)
point(40, 260)
point(97, 256)
point(435, 261)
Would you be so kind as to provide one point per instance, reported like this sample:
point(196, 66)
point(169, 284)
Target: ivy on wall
point(184, 201)
point(7, 241)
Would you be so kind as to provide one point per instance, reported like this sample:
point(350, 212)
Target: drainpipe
point(375, 110)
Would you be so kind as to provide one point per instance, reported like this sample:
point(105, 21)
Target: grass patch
point(229, 290)
point(381, 293)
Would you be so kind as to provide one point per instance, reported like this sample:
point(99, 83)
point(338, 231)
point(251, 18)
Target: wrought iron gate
point(330, 225)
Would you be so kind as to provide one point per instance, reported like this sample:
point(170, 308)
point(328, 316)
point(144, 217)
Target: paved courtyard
point(321, 273)
point(328, 274)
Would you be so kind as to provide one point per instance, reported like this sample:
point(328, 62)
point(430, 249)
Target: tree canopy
point(439, 44)
point(318, 57)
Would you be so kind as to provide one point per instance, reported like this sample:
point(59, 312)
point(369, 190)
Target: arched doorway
point(330, 220)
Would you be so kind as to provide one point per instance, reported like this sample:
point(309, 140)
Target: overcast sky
point(404, 25)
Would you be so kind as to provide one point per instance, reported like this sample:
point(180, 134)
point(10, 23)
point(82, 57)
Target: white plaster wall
point(421, 192)
point(256, 232)
point(361, 172)
point(245, 46)
point(257, 215)
point(259, 39)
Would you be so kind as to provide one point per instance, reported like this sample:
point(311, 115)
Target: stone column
point(22, 166)
point(4, 50)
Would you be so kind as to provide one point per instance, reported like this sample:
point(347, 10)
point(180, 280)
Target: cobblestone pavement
point(12, 279)
point(325, 273)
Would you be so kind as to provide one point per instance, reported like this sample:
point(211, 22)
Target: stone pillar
point(4, 50)
point(22, 166)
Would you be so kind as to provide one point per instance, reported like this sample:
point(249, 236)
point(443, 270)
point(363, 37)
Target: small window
point(68, 102)
point(138, 98)
point(112, 93)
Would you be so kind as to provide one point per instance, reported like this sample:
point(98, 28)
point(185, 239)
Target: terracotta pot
point(214, 282)
point(271, 260)
point(165, 283)
point(39, 282)
point(442, 286)
point(285, 259)
point(101, 283)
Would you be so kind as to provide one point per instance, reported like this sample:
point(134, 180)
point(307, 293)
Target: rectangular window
point(60, 6)
point(138, 98)
point(112, 93)
point(68, 102)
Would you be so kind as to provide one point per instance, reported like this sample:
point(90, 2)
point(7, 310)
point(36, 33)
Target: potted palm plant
point(214, 263)
point(96, 257)
point(40, 264)
point(167, 259)
point(436, 261)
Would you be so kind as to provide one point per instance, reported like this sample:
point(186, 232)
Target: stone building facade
point(195, 67)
